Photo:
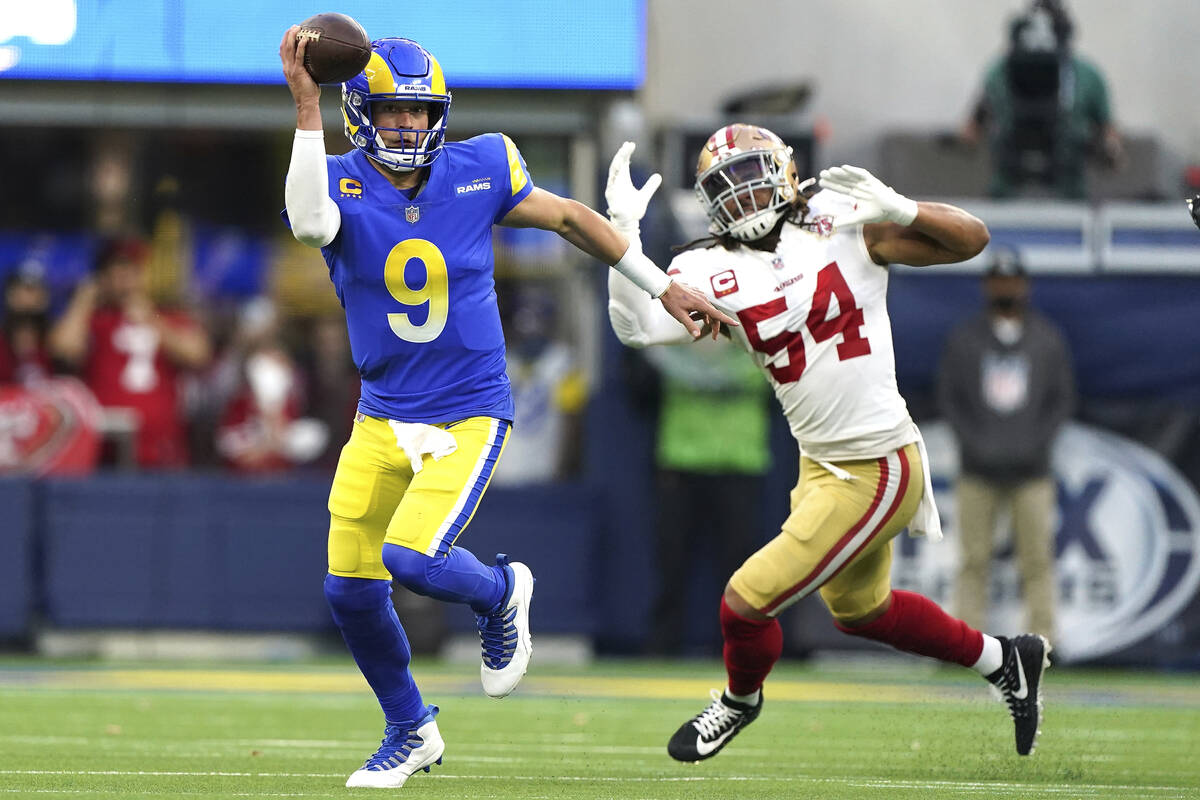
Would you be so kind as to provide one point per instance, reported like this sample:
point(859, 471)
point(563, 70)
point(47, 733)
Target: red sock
point(916, 624)
point(751, 648)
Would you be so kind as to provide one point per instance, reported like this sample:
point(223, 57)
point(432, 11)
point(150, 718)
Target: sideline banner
point(49, 428)
point(1127, 545)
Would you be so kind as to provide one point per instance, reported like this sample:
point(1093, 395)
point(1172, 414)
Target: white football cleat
point(405, 749)
point(504, 635)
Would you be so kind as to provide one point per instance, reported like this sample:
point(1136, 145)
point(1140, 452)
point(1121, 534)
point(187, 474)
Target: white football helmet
point(746, 181)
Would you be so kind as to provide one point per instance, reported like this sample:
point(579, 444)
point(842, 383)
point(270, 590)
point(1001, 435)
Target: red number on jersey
point(830, 283)
point(793, 341)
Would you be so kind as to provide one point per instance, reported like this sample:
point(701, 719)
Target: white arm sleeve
point(314, 216)
point(638, 319)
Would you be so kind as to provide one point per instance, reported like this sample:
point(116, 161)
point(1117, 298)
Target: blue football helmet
point(399, 69)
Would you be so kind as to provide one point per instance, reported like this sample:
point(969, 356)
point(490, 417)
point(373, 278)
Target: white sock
point(748, 699)
point(991, 658)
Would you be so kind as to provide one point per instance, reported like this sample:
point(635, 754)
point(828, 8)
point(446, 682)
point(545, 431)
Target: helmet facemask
point(746, 181)
point(400, 70)
point(747, 194)
point(402, 157)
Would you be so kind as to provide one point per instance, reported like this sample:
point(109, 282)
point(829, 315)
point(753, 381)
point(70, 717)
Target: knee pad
point(854, 605)
point(355, 596)
point(409, 568)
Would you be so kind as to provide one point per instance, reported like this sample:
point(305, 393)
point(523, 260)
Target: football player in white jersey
point(804, 268)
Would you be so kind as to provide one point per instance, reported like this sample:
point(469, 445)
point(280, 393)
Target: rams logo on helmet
point(399, 69)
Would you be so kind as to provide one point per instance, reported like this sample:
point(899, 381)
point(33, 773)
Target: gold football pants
point(838, 537)
point(377, 497)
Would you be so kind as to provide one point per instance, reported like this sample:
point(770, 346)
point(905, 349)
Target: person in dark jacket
point(1006, 387)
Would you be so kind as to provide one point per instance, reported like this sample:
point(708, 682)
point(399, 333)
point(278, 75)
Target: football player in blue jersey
point(404, 221)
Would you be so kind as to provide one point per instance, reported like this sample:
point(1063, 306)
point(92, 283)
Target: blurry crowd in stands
point(174, 384)
point(123, 371)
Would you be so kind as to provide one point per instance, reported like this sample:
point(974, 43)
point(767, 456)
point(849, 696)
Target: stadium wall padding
point(17, 568)
point(217, 552)
point(186, 551)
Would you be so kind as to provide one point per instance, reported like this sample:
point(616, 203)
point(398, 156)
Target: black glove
point(1193, 204)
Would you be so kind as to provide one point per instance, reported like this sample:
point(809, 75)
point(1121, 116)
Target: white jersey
point(814, 317)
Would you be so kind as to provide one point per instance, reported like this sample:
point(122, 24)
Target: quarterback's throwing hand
point(691, 307)
point(875, 201)
point(291, 54)
point(627, 204)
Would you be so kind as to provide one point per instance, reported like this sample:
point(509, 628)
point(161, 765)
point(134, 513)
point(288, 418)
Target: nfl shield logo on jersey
point(412, 214)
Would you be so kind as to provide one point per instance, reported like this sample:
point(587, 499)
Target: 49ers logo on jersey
point(724, 283)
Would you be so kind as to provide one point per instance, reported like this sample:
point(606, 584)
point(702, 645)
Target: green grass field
point(893, 730)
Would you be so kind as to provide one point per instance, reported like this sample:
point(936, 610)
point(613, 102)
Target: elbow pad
point(625, 325)
point(320, 228)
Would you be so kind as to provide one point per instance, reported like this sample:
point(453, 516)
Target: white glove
point(875, 201)
point(626, 204)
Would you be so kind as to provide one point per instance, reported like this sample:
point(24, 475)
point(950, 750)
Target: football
point(338, 47)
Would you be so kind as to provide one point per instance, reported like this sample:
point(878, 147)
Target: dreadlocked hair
point(798, 215)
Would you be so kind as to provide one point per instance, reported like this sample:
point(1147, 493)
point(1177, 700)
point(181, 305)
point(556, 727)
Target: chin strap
point(387, 164)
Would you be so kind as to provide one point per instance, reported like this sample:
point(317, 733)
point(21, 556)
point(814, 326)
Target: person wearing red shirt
point(261, 429)
point(131, 353)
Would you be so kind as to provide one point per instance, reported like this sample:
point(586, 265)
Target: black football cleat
point(705, 734)
point(1019, 682)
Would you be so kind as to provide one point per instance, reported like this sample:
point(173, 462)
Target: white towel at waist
point(418, 440)
point(925, 521)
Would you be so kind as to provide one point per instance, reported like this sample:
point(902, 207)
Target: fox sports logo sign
point(1127, 543)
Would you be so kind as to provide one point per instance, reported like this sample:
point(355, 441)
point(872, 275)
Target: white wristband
point(906, 211)
point(630, 229)
point(643, 272)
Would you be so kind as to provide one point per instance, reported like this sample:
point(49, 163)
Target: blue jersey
point(415, 277)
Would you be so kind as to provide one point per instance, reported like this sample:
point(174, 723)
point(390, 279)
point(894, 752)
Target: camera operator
point(1043, 109)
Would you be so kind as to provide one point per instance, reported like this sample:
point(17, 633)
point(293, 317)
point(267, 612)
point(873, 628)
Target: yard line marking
point(863, 781)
